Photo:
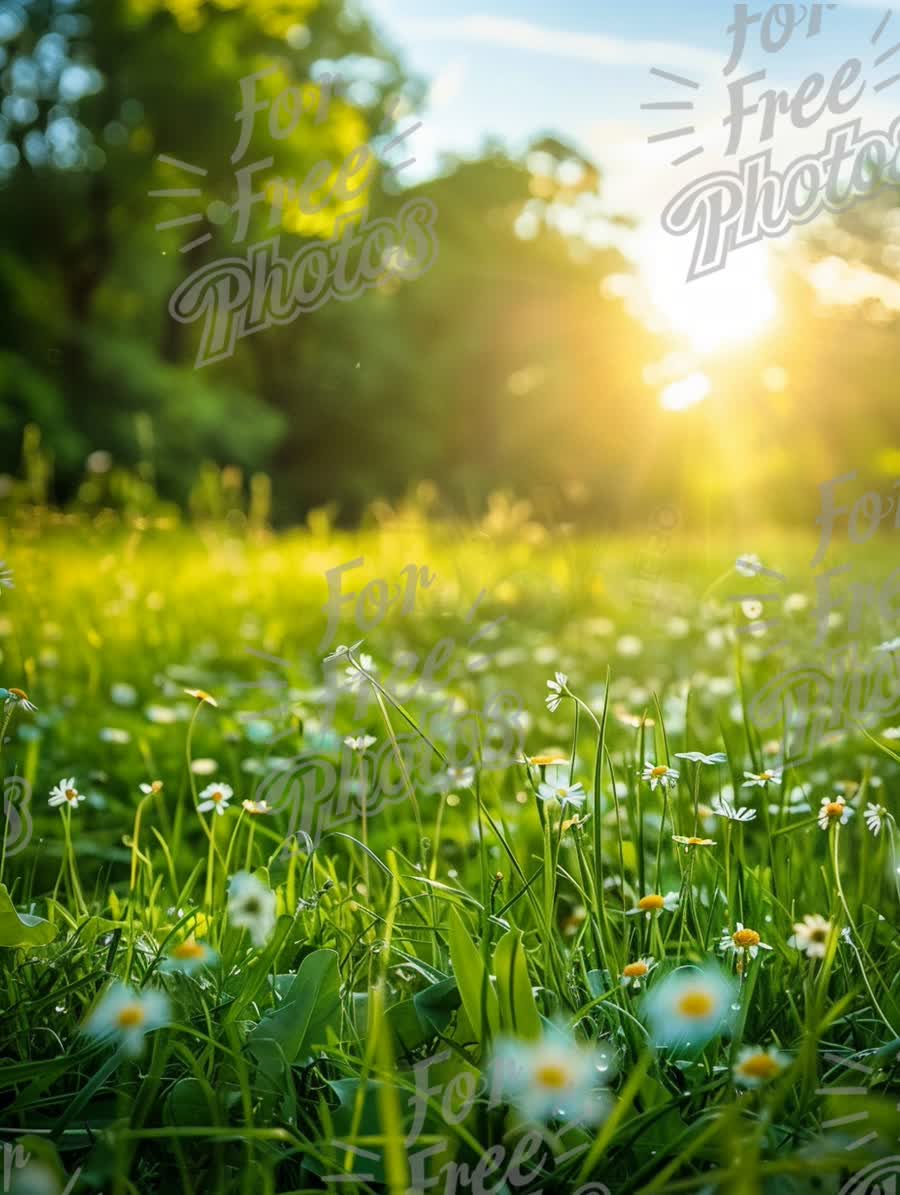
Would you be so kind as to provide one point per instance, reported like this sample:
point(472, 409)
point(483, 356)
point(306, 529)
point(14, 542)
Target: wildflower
point(17, 697)
point(153, 789)
point(341, 650)
point(251, 906)
point(189, 956)
point(689, 1006)
point(256, 807)
point(113, 734)
point(889, 646)
point(456, 778)
point(360, 744)
point(742, 941)
point(699, 757)
point(546, 760)
point(755, 1067)
point(634, 974)
point(748, 565)
point(354, 673)
point(6, 581)
point(215, 796)
point(557, 689)
point(566, 794)
point(203, 697)
point(654, 903)
point(875, 817)
point(125, 1016)
point(65, 793)
point(687, 843)
point(811, 935)
point(657, 774)
point(836, 810)
point(773, 776)
point(549, 1079)
point(723, 808)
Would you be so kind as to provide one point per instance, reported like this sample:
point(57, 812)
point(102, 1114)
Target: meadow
point(561, 916)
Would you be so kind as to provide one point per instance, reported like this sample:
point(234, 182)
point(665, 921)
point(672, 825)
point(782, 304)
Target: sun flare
point(718, 312)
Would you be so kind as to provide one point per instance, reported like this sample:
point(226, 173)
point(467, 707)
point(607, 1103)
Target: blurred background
point(554, 352)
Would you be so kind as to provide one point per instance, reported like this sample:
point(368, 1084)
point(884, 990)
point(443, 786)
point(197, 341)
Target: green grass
point(445, 920)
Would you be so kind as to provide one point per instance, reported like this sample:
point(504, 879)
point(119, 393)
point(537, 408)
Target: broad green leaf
point(300, 1022)
point(478, 996)
point(22, 929)
point(518, 1011)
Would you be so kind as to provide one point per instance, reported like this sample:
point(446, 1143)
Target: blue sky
point(580, 68)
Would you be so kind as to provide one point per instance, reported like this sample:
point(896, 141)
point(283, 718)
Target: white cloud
point(447, 84)
point(589, 47)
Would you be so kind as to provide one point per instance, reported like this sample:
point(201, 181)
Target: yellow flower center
point(71, 794)
point(552, 1075)
point(543, 761)
point(765, 775)
point(745, 937)
point(130, 1017)
point(760, 1066)
point(217, 797)
point(650, 903)
point(188, 950)
point(818, 935)
point(696, 841)
point(834, 809)
point(635, 970)
point(20, 694)
point(696, 1004)
point(659, 771)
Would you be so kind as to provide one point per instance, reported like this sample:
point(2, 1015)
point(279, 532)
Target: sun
point(715, 313)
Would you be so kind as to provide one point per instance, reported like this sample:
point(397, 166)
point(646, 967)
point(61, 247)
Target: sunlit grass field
point(324, 990)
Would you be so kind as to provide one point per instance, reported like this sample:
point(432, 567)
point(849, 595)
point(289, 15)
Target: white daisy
point(634, 974)
point(689, 1006)
point(557, 689)
point(834, 809)
point(699, 757)
point(215, 796)
point(656, 774)
point(755, 1067)
point(65, 793)
point(875, 817)
point(17, 697)
point(689, 842)
point(811, 935)
point(203, 697)
point(654, 903)
point(360, 744)
point(256, 808)
point(354, 674)
point(771, 776)
point(723, 808)
point(251, 906)
point(551, 1079)
point(454, 778)
point(566, 794)
point(889, 645)
point(152, 789)
point(189, 956)
point(125, 1016)
point(742, 941)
